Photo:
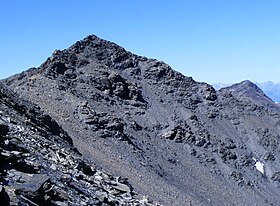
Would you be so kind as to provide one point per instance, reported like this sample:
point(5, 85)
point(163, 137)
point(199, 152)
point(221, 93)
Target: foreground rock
point(176, 140)
point(40, 166)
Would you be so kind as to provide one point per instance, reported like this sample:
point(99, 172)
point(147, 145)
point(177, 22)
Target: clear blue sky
point(211, 40)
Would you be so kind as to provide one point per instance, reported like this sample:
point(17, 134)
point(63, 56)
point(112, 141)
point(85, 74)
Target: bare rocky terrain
point(95, 109)
point(271, 89)
point(40, 166)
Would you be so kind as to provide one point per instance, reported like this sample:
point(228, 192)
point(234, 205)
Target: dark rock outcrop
point(176, 140)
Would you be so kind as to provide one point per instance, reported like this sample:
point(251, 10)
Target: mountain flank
point(271, 89)
point(40, 166)
point(176, 140)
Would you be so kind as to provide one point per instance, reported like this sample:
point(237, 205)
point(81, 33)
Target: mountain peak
point(247, 83)
point(92, 41)
point(244, 87)
point(269, 88)
point(138, 118)
point(248, 91)
point(251, 87)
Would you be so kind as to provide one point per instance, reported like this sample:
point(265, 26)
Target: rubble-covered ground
point(40, 166)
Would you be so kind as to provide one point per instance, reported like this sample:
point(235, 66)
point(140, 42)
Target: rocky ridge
point(178, 141)
point(271, 89)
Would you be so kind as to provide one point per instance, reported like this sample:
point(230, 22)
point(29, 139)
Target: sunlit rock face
point(177, 141)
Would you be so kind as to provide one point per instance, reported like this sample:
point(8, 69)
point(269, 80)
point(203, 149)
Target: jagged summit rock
point(176, 140)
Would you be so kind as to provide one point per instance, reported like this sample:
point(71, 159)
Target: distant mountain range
point(271, 89)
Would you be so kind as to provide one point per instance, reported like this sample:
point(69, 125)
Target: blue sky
point(211, 40)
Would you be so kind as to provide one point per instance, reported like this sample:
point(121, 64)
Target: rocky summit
point(98, 125)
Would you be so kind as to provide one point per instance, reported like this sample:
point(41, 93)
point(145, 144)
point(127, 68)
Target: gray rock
point(189, 144)
point(4, 197)
point(4, 129)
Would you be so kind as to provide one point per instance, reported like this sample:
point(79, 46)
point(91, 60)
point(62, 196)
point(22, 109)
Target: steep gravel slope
point(40, 166)
point(176, 140)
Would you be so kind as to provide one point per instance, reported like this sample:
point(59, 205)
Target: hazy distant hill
point(220, 85)
point(271, 89)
